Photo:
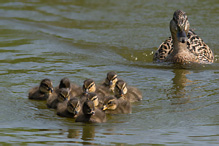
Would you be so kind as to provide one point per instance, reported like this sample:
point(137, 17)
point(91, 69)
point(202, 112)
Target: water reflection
point(88, 132)
point(178, 93)
point(73, 133)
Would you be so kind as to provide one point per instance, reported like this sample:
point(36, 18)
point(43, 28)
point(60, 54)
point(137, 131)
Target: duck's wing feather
point(198, 47)
point(163, 50)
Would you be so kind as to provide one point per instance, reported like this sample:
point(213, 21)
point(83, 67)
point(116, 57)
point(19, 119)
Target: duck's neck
point(178, 47)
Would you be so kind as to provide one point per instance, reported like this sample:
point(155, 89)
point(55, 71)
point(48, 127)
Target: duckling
point(184, 46)
point(128, 93)
point(74, 89)
point(90, 114)
point(69, 108)
point(90, 96)
point(54, 99)
point(112, 105)
point(108, 86)
point(88, 86)
point(41, 92)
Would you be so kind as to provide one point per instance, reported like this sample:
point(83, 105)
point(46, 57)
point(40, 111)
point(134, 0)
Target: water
point(86, 39)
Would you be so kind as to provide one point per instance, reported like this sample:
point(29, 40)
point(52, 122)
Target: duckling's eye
point(110, 102)
point(94, 98)
point(90, 86)
point(114, 78)
point(45, 85)
point(62, 95)
point(70, 105)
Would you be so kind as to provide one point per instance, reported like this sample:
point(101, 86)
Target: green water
point(86, 39)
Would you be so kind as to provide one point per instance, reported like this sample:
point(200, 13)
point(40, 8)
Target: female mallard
point(41, 92)
point(184, 46)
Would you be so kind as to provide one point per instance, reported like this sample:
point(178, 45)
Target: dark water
point(86, 39)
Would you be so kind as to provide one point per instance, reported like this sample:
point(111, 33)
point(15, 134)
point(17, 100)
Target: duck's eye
point(114, 78)
point(90, 86)
point(45, 85)
point(94, 98)
point(62, 96)
point(110, 102)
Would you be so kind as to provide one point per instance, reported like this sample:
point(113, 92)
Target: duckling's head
point(120, 89)
point(179, 26)
point(46, 86)
point(63, 94)
point(110, 103)
point(88, 108)
point(73, 106)
point(93, 97)
point(64, 83)
point(111, 80)
point(89, 86)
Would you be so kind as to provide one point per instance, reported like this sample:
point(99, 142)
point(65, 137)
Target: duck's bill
point(181, 35)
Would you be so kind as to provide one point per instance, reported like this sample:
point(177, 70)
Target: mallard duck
point(107, 87)
point(74, 89)
point(184, 46)
point(90, 96)
point(89, 86)
point(128, 93)
point(90, 114)
point(69, 108)
point(112, 105)
point(61, 96)
point(41, 92)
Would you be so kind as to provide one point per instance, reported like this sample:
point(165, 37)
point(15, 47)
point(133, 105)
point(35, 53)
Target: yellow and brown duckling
point(90, 96)
point(113, 105)
point(107, 88)
point(61, 96)
point(127, 93)
point(88, 86)
point(184, 46)
point(90, 114)
point(69, 108)
point(41, 92)
point(74, 89)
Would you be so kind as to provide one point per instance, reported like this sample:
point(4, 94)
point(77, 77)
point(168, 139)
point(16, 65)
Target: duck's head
point(179, 26)
point(89, 86)
point(120, 89)
point(63, 94)
point(88, 108)
point(110, 103)
point(93, 97)
point(73, 106)
point(46, 86)
point(111, 80)
point(65, 83)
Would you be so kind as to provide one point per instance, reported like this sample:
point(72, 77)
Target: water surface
point(86, 39)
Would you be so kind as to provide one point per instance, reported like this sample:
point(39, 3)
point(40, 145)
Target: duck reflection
point(88, 132)
point(73, 133)
point(178, 94)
